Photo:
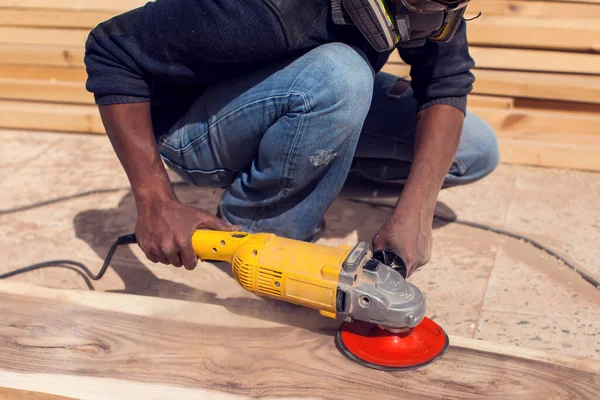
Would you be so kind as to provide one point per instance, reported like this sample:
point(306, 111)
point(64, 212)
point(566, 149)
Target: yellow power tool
point(385, 325)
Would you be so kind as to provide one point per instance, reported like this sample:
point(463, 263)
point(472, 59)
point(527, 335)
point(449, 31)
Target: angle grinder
point(384, 315)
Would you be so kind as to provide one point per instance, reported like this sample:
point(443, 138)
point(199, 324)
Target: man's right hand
point(164, 227)
point(164, 231)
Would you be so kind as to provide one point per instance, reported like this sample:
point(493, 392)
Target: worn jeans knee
point(385, 149)
point(281, 138)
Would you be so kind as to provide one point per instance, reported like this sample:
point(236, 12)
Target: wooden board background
point(241, 347)
point(539, 58)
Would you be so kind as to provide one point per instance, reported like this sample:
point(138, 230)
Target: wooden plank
point(61, 92)
point(579, 88)
point(518, 121)
point(397, 69)
point(589, 141)
point(55, 56)
point(535, 60)
point(538, 85)
point(43, 73)
point(553, 154)
point(538, 9)
point(53, 18)
point(110, 5)
point(50, 117)
point(14, 394)
point(474, 100)
point(556, 33)
point(557, 105)
point(573, 1)
point(529, 60)
point(43, 36)
point(83, 387)
point(228, 347)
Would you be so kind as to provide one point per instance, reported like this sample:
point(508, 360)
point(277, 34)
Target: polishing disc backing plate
point(377, 348)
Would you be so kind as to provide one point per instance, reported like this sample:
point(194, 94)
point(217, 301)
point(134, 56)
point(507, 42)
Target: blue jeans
point(283, 140)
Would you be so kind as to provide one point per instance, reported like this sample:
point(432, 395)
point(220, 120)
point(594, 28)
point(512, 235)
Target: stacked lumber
point(537, 79)
point(537, 70)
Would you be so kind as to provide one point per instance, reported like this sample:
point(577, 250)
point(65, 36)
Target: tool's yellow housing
point(290, 270)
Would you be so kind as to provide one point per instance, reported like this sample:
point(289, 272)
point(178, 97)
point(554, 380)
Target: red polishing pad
point(374, 347)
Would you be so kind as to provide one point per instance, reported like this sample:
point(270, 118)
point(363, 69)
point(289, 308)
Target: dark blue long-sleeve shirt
point(167, 51)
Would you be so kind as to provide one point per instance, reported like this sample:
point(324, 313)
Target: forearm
point(436, 141)
point(129, 128)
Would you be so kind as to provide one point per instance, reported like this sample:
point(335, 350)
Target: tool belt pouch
point(373, 20)
point(386, 28)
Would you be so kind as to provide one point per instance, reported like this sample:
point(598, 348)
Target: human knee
point(478, 154)
point(344, 81)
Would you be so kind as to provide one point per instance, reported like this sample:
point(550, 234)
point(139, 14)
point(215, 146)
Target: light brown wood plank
point(43, 73)
point(83, 387)
point(111, 5)
point(556, 33)
point(578, 88)
point(573, 1)
point(544, 138)
point(553, 154)
point(50, 117)
point(530, 60)
point(54, 56)
point(61, 92)
point(519, 121)
point(557, 105)
point(239, 346)
point(43, 36)
point(475, 100)
point(535, 60)
point(538, 85)
point(542, 9)
point(53, 18)
point(14, 394)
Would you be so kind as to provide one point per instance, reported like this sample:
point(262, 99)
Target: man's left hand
point(409, 235)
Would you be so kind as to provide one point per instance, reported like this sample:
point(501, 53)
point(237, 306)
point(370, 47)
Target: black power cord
point(121, 240)
point(130, 239)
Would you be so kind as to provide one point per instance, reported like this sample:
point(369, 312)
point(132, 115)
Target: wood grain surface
point(42, 55)
point(529, 60)
point(539, 85)
point(251, 348)
point(15, 394)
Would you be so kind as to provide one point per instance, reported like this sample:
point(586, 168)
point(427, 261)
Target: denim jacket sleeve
point(441, 72)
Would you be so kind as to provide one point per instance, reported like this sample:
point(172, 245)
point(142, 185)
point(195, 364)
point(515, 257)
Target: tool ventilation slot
point(243, 273)
point(269, 281)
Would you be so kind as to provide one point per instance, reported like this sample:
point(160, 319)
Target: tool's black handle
point(390, 258)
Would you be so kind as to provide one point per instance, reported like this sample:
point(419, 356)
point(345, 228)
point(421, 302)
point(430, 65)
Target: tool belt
point(401, 23)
